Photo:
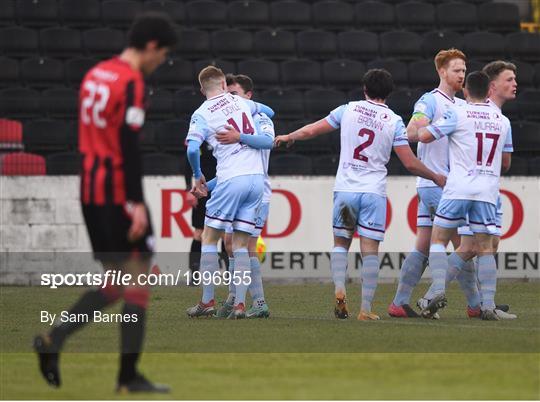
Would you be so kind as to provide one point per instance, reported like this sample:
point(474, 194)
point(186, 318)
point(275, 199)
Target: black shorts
point(108, 227)
point(197, 214)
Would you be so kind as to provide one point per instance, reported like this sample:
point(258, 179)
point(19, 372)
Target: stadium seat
point(320, 102)
point(60, 102)
point(402, 45)
point(76, 69)
point(523, 46)
point(457, 16)
point(248, 14)
point(160, 104)
point(320, 145)
point(475, 65)
point(402, 102)
point(45, 136)
point(119, 13)
point(534, 166)
point(22, 164)
point(290, 164)
point(61, 42)
point(35, 13)
point(343, 73)
point(225, 65)
point(499, 17)
point(333, 14)
point(80, 13)
point(160, 164)
point(11, 138)
point(18, 41)
point(275, 44)
point(19, 102)
point(290, 14)
point(524, 74)
point(416, 16)
point(174, 73)
point(526, 136)
point(358, 45)
point(264, 73)
point(103, 42)
point(518, 167)
point(301, 73)
point(422, 74)
point(174, 9)
point(193, 44)
point(42, 72)
point(147, 137)
point(529, 104)
point(356, 94)
point(537, 74)
point(434, 41)
point(484, 45)
point(186, 101)
point(511, 109)
point(287, 103)
point(316, 44)
point(64, 163)
point(232, 43)
point(7, 13)
point(325, 165)
point(397, 68)
point(9, 72)
point(170, 136)
point(375, 16)
point(206, 14)
point(394, 167)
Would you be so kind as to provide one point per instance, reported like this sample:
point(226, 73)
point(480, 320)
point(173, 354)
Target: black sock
point(195, 255)
point(132, 336)
point(91, 301)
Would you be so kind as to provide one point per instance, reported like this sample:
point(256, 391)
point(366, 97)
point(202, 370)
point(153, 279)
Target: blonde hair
point(210, 77)
point(445, 56)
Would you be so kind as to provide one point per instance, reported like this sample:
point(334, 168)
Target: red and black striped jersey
point(111, 114)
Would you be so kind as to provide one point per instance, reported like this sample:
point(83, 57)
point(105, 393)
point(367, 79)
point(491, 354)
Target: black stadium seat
point(61, 42)
point(19, 102)
point(9, 72)
point(518, 167)
point(7, 13)
point(301, 73)
point(316, 44)
point(416, 16)
point(42, 72)
point(170, 136)
point(147, 137)
point(37, 13)
point(206, 14)
point(524, 46)
point(375, 16)
point(174, 9)
point(526, 136)
point(160, 104)
point(319, 145)
point(358, 45)
point(174, 73)
point(434, 41)
point(76, 69)
point(499, 17)
point(193, 44)
point(290, 164)
point(60, 103)
point(402, 102)
point(457, 16)
point(80, 13)
point(325, 165)
point(18, 41)
point(534, 166)
point(397, 68)
point(422, 74)
point(160, 164)
point(64, 163)
point(248, 14)
point(484, 45)
point(46, 136)
point(537, 74)
point(319, 102)
point(275, 44)
point(402, 45)
point(333, 14)
point(287, 103)
point(103, 42)
point(529, 104)
point(290, 14)
point(225, 65)
point(264, 73)
point(524, 74)
point(232, 43)
point(186, 101)
point(343, 73)
point(119, 13)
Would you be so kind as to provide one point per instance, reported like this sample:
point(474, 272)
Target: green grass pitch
point(301, 352)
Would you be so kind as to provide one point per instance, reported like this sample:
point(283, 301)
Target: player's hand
point(199, 190)
point(191, 200)
point(139, 221)
point(228, 135)
point(283, 139)
point(440, 180)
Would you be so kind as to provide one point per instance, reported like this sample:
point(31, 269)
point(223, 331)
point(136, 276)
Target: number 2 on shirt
point(371, 136)
point(247, 128)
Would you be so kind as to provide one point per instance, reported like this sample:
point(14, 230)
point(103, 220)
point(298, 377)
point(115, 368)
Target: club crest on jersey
point(496, 116)
point(385, 117)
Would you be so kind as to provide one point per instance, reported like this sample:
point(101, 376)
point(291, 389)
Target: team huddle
point(463, 147)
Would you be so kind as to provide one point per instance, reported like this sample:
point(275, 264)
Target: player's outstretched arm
point(418, 120)
point(416, 167)
point(307, 132)
point(229, 135)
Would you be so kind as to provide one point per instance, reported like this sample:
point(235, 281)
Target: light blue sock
point(438, 262)
point(487, 275)
point(370, 277)
point(232, 289)
point(241, 265)
point(338, 266)
point(256, 287)
point(209, 263)
point(409, 276)
point(469, 285)
point(455, 265)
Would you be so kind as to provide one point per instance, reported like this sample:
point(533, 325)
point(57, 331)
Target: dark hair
point(150, 26)
point(378, 83)
point(494, 68)
point(477, 84)
point(243, 80)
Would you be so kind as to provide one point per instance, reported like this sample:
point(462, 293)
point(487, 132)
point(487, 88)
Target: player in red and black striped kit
point(111, 114)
